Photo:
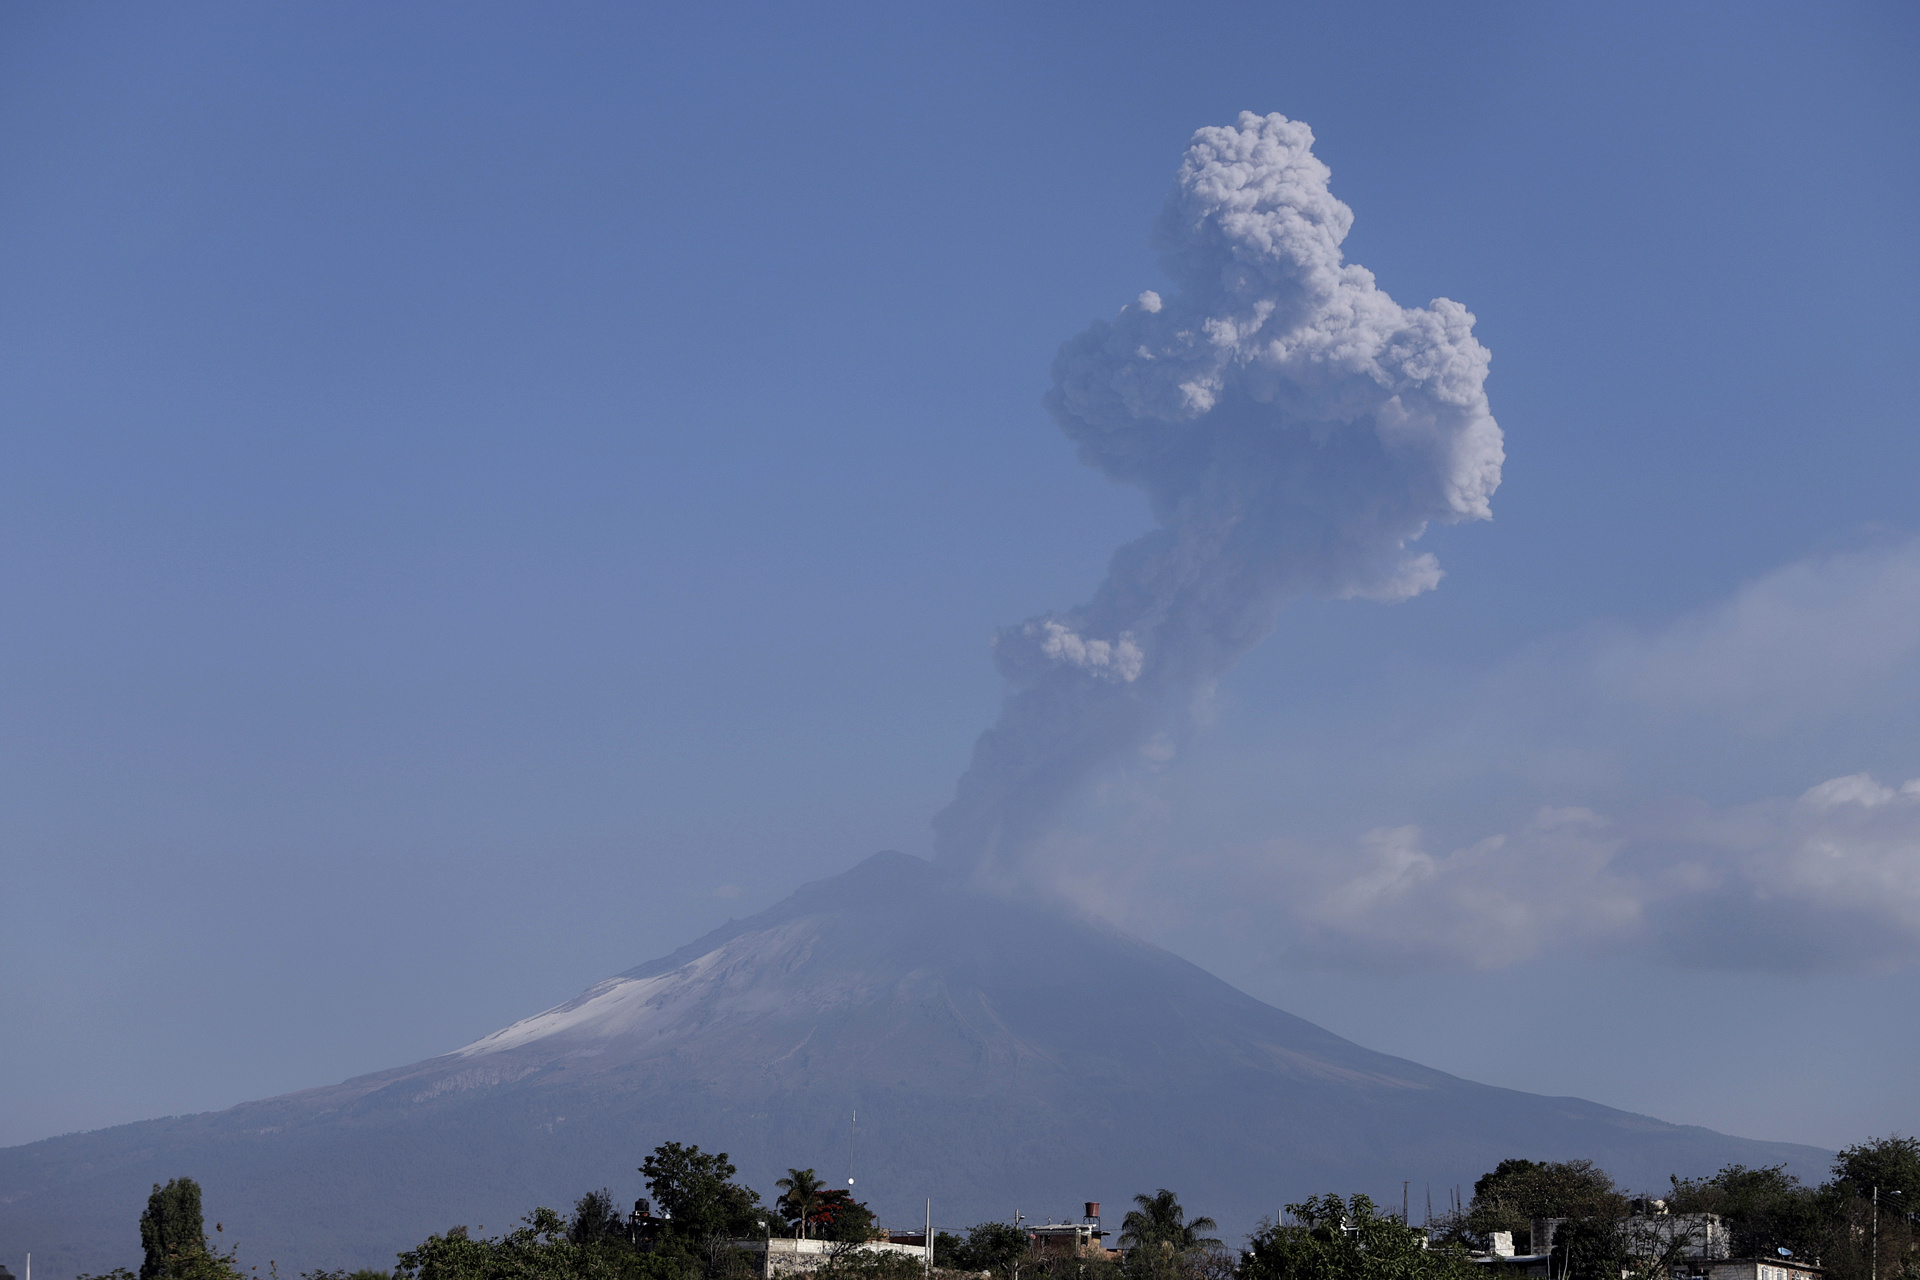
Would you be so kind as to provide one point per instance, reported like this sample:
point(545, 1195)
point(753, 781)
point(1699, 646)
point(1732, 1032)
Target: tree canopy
point(1765, 1209)
point(173, 1233)
point(173, 1239)
point(1333, 1239)
point(698, 1193)
point(1891, 1164)
point(997, 1247)
point(847, 1221)
point(800, 1200)
point(1518, 1191)
point(1159, 1219)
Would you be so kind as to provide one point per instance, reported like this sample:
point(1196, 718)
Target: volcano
point(1002, 1055)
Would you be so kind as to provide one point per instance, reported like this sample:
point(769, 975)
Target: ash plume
point(1294, 428)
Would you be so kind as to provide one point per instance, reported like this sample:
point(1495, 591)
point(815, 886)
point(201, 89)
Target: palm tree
point(1160, 1220)
point(801, 1193)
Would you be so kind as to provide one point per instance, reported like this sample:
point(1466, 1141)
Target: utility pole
point(1876, 1232)
point(929, 1238)
point(1404, 1219)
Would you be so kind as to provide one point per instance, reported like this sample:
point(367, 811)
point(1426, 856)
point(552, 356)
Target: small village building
point(1502, 1256)
point(784, 1256)
point(1080, 1239)
point(1698, 1243)
point(1749, 1269)
point(1698, 1235)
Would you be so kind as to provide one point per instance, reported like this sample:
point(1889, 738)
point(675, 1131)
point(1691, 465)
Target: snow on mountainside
point(997, 1050)
point(618, 1006)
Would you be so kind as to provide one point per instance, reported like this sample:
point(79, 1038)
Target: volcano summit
point(1001, 1053)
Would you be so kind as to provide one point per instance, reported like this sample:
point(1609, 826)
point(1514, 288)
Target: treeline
point(698, 1210)
point(1863, 1223)
point(1767, 1212)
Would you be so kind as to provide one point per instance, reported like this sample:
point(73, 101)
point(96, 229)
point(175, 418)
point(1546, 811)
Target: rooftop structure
point(1779, 1268)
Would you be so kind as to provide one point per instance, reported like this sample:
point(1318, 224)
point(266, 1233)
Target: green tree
point(697, 1191)
point(1869, 1240)
point(1159, 1219)
point(1764, 1209)
point(1589, 1248)
point(173, 1236)
point(950, 1253)
point(544, 1247)
point(172, 1231)
point(1518, 1191)
point(595, 1219)
point(538, 1249)
point(999, 1247)
point(1160, 1241)
point(800, 1200)
point(1351, 1240)
point(1891, 1164)
point(845, 1219)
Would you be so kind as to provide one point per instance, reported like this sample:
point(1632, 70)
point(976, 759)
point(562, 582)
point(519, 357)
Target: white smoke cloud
point(1053, 641)
point(1294, 428)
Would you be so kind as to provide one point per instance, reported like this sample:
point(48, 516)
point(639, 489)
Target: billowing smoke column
point(1294, 428)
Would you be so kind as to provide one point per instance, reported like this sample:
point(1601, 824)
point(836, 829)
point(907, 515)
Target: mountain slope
point(1002, 1055)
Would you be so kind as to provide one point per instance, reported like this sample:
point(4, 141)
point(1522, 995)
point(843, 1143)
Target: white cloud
point(1390, 904)
point(1828, 878)
point(1812, 638)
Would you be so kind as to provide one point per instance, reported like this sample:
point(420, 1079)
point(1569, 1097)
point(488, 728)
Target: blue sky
point(489, 493)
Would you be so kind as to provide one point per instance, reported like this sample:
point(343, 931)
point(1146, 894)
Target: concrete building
point(1070, 1239)
point(782, 1256)
point(1503, 1257)
point(1697, 1235)
point(1749, 1269)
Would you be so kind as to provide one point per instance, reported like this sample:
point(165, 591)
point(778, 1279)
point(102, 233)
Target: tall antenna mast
point(852, 1126)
